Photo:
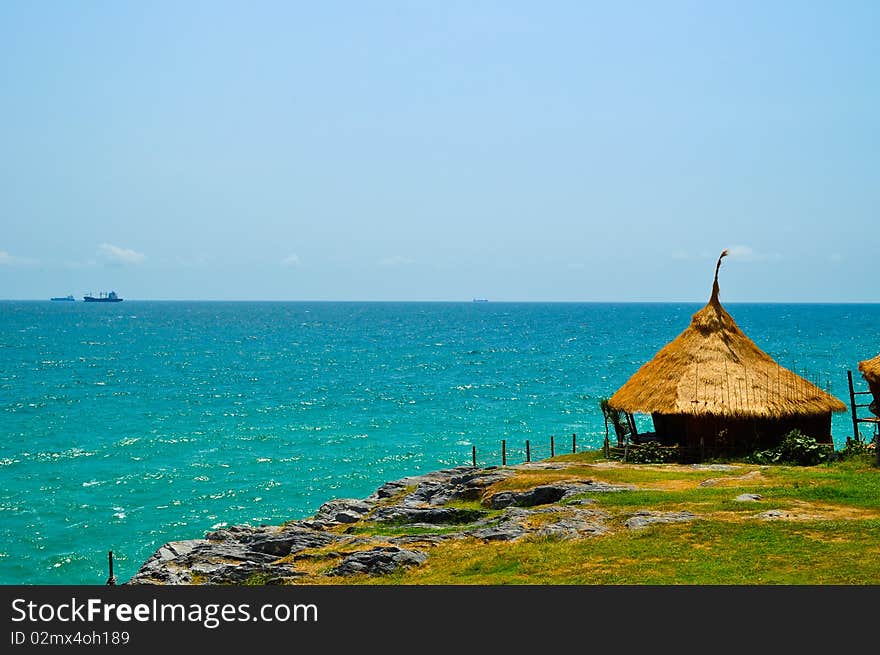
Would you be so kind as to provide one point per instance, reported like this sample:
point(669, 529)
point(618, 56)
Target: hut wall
point(875, 391)
point(705, 436)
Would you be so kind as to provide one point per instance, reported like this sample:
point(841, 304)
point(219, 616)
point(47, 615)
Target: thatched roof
point(713, 368)
point(870, 369)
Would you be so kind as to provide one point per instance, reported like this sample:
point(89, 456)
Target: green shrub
point(652, 452)
point(795, 448)
point(856, 450)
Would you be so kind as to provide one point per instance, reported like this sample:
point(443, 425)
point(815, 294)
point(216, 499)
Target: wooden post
point(528, 452)
point(552, 447)
point(607, 441)
point(111, 579)
point(504, 452)
point(574, 443)
point(852, 404)
point(474, 455)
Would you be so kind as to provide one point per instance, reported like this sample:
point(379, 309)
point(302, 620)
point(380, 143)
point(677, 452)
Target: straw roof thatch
point(714, 369)
point(870, 369)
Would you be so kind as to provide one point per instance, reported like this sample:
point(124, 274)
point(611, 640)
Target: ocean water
point(123, 426)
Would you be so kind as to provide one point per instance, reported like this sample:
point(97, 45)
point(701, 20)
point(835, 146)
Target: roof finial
point(714, 299)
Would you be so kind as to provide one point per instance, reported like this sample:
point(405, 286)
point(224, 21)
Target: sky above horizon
point(562, 151)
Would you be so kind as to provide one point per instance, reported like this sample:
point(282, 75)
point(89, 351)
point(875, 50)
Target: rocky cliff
point(395, 526)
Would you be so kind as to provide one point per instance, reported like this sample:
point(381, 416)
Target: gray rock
point(711, 482)
point(240, 532)
point(380, 560)
point(161, 576)
point(439, 487)
point(552, 493)
point(220, 557)
point(228, 551)
point(582, 501)
point(427, 515)
point(571, 528)
point(506, 531)
point(254, 572)
point(595, 486)
point(481, 478)
point(567, 522)
point(162, 567)
point(748, 498)
point(388, 490)
point(290, 541)
point(573, 523)
point(343, 510)
point(645, 518)
point(428, 493)
point(204, 558)
point(174, 549)
point(540, 495)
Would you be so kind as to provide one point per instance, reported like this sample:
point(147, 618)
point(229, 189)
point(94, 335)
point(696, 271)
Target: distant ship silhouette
point(103, 297)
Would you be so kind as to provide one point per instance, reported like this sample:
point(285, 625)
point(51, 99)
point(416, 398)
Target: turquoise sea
point(123, 426)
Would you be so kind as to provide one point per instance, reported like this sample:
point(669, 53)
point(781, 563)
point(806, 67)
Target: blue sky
point(532, 151)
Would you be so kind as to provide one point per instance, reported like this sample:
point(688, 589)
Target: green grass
point(400, 530)
point(702, 552)
point(644, 474)
point(720, 498)
point(587, 457)
point(851, 483)
point(836, 539)
point(640, 475)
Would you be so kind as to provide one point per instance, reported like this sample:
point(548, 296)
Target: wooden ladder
point(854, 408)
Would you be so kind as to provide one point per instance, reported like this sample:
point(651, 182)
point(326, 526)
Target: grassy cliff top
point(660, 524)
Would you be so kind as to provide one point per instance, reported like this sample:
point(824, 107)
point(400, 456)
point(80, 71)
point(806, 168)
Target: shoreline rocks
point(390, 529)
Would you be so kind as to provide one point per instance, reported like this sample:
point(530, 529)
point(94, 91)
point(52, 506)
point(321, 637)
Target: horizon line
point(474, 301)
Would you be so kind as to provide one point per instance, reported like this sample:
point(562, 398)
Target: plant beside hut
point(795, 448)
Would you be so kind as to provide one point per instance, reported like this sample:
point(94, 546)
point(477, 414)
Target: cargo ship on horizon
point(102, 297)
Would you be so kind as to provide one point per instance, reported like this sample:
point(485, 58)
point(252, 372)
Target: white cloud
point(397, 260)
point(78, 265)
point(744, 252)
point(120, 255)
point(740, 251)
point(684, 254)
point(192, 261)
point(291, 260)
point(749, 254)
point(11, 260)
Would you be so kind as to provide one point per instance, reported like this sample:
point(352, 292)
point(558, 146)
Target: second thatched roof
point(714, 369)
point(870, 369)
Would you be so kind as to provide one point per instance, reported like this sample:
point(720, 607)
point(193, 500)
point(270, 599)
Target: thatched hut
point(870, 369)
point(713, 391)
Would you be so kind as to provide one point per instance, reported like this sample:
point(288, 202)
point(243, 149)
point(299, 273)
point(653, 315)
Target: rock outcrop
point(645, 517)
point(385, 559)
point(393, 528)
